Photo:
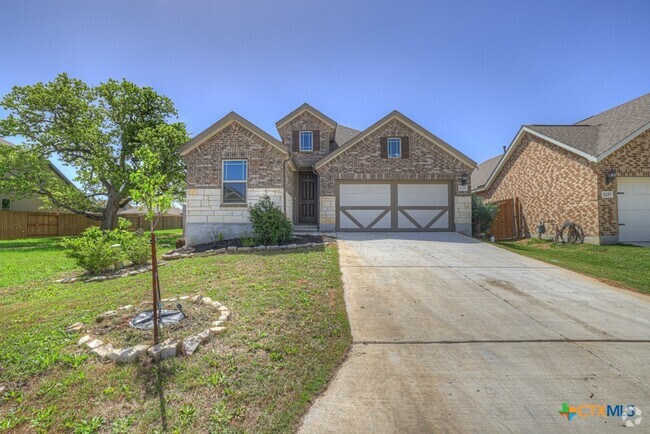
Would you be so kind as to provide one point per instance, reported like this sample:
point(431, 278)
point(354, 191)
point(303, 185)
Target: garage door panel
point(365, 195)
point(346, 222)
point(423, 219)
point(636, 218)
point(630, 186)
point(423, 195)
point(634, 202)
point(393, 206)
point(366, 217)
point(634, 209)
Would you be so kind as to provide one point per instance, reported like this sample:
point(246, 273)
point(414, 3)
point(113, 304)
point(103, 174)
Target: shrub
point(483, 215)
point(269, 223)
point(136, 247)
point(92, 250)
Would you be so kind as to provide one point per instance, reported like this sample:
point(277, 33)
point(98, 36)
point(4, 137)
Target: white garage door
point(393, 206)
point(633, 209)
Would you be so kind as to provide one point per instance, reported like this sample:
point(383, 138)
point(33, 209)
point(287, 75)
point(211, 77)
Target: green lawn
point(288, 334)
point(35, 259)
point(621, 265)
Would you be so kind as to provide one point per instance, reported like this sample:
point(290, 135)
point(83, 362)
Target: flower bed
point(235, 245)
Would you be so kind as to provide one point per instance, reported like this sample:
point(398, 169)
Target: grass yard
point(35, 259)
point(619, 265)
point(288, 334)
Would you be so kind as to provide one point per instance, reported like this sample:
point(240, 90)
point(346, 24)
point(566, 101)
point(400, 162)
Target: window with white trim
point(235, 178)
point(6, 204)
point(394, 147)
point(306, 141)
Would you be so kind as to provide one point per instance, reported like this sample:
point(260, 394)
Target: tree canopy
point(97, 130)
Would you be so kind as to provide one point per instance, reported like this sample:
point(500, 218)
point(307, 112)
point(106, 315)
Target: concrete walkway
point(451, 334)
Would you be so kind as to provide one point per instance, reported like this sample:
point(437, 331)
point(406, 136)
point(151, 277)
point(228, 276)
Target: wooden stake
point(154, 285)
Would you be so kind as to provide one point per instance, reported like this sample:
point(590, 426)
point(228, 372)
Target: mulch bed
point(236, 242)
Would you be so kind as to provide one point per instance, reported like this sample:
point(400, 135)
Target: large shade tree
point(94, 129)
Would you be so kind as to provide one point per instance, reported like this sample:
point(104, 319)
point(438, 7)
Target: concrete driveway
point(451, 334)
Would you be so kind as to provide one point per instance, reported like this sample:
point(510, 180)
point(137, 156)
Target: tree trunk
point(109, 214)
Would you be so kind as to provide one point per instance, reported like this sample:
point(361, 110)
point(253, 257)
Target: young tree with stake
point(153, 187)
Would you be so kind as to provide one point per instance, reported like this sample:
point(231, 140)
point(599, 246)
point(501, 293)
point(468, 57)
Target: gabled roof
point(602, 134)
point(224, 122)
point(310, 109)
point(54, 169)
point(482, 173)
point(594, 138)
point(399, 116)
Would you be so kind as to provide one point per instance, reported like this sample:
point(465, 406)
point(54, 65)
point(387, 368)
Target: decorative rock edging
point(164, 350)
point(233, 249)
point(109, 276)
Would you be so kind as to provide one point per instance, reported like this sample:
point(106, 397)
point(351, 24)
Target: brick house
point(393, 176)
point(595, 173)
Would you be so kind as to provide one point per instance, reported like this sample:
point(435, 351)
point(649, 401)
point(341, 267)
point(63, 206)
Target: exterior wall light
point(610, 176)
point(463, 178)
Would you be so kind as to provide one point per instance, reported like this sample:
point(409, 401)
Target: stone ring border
point(164, 350)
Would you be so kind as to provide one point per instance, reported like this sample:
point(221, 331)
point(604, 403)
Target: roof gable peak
point(305, 107)
point(223, 123)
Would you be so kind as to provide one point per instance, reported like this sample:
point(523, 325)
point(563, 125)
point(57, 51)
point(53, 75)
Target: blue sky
point(470, 72)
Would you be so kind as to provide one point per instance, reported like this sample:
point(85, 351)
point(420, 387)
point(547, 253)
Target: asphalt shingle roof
point(344, 134)
point(482, 172)
point(601, 132)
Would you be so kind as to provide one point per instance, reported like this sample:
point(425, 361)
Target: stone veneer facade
point(269, 172)
point(554, 185)
point(206, 216)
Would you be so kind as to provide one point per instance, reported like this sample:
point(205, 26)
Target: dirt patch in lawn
point(118, 331)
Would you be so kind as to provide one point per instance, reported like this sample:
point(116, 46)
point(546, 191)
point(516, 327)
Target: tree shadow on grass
point(154, 375)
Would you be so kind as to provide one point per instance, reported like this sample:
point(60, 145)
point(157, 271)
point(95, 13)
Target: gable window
point(6, 205)
point(306, 141)
point(394, 147)
point(235, 174)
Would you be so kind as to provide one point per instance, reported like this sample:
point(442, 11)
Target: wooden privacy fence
point(165, 222)
point(507, 223)
point(23, 224)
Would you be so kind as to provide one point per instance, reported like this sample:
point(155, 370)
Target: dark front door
point(306, 197)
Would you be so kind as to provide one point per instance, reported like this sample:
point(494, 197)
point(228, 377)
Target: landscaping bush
point(269, 223)
point(92, 250)
point(483, 215)
point(136, 246)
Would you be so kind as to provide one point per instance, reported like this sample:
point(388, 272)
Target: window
point(6, 204)
point(306, 141)
point(234, 181)
point(394, 147)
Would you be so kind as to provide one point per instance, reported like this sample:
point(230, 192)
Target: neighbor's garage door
point(393, 206)
point(633, 209)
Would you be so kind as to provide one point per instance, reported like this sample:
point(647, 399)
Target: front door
point(306, 197)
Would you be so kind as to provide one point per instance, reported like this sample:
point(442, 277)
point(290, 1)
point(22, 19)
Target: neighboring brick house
point(595, 173)
point(393, 176)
